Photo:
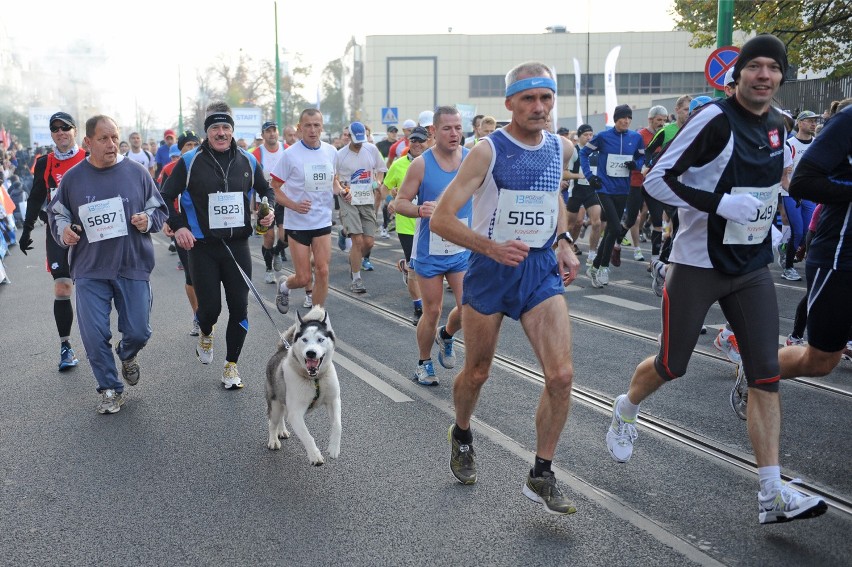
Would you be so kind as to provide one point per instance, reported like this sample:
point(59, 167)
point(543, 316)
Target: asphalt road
point(182, 475)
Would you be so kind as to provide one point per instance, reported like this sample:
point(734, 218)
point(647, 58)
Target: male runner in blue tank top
point(518, 217)
point(434, 258)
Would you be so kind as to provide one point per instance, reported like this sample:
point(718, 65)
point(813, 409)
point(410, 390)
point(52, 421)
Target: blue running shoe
point(66, 358)
point(425, 374)
point(366, 265)
point(446, 356)
point(341, 240)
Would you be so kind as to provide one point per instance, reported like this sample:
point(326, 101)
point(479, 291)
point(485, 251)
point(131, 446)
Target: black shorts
point(279, 214)
point(582, 195)
point(57, 258)
point(829, 308)
point(406, 241)
point(305, 237)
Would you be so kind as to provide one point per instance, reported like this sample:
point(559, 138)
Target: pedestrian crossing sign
point(390, 115)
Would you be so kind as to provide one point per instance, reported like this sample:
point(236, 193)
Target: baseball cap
point(174, 151)
point(698, 102)
point(64, 117)
point(426, 118)
point(563, 131)
point(805, 114)
point(409, 124)
point(268, 124)
point(419, 133)
point(729, 77)
point(393, 128)
point(358, 133)
point(168, 133)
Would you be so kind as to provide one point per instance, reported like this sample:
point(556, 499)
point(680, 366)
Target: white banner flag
point(611, 98)
point(578, 80)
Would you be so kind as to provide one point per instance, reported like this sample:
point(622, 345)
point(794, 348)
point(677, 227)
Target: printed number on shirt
point(755, 231)
point(528, 216)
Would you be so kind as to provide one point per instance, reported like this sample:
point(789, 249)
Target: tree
point(817, 32)
point(332, 103)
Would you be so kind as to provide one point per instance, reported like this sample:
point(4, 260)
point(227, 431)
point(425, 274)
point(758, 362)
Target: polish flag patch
point(774, 139)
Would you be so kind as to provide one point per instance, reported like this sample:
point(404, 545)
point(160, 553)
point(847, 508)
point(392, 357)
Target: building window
point(594, 85)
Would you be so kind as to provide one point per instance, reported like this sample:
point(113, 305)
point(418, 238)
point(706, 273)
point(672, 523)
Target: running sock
point(267, 256)
point(356, 275)
point(463, 436)
point(63, 313)
point(627, 410)
point(420, 362)
point(444, 334)
point(541, 465)
point(418, 304)
point(276, 249)
point(283, 286)
point(66, 343)
point(770, 479)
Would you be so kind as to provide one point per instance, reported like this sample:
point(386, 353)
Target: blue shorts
point(490, 287)
point(432, 266)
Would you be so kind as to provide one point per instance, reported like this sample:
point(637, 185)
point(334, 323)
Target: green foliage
point(332, 101)
point(818, 33)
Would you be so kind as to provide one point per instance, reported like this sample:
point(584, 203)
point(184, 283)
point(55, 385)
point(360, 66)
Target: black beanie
point(622, 111)
point(187, 136)
point(763, 45)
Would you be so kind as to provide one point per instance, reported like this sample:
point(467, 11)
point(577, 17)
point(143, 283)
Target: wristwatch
point(564, 236)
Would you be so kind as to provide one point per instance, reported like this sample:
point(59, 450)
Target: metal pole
point(724, 29)
point(277, 74)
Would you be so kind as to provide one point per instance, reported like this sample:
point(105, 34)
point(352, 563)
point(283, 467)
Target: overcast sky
point(157, 36)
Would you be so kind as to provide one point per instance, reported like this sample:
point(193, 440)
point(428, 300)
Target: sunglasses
point(64, 128)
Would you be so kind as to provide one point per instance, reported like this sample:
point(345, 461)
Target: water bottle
point(262, 212)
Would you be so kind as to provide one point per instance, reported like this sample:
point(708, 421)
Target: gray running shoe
point(658, 280)
point(282, 299)
point(545, 491)
point(739, 394)
point(277, 262)
point(111, 401)
point(603, 275)
point(462, 463)
point(308, 302)
point(446, 356)
point(357, 286)
point(130, 371)
point(791, 274)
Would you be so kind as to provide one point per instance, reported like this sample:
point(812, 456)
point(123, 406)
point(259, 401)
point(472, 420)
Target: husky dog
point(301, 377)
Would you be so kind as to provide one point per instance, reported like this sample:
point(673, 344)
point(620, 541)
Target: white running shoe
point(231, 376)
point(270, 277)
point(791, 274)
point(592, 272)
point(621, 435)
point(729, 347)
point(384, 233)
point(658, 280)
point(204, 348)
point(308, 302)
point(603, 275)
point(788, 504)
point(637, 255)
point(794, 341)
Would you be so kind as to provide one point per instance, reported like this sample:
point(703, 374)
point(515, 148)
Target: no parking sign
point(718, 64)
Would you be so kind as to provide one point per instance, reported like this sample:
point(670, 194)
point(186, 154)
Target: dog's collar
point(316, 393)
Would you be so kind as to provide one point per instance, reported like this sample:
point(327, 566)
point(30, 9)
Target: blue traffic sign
point(390, 115)
point(718, 64)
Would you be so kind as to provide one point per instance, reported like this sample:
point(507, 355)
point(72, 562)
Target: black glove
point(631, 165)
point(595, 182)
point(25, 242)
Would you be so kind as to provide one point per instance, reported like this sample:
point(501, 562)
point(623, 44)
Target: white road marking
point(365, 375)
point(623, 303)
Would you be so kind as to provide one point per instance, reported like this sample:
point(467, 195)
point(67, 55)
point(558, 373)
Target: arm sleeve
point(38, 194)
point(155, 208)
point(698, 143)
point(172, 189)
point(587, 150)
point(824, 174)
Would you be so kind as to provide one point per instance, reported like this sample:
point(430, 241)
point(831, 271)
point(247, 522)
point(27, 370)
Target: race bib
point(615, 165)
point(225, 210)
point(755, 231)
point(362, 192)
point(103, 220)
point(439, 246)
point(318, 177)
point(528, 216)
